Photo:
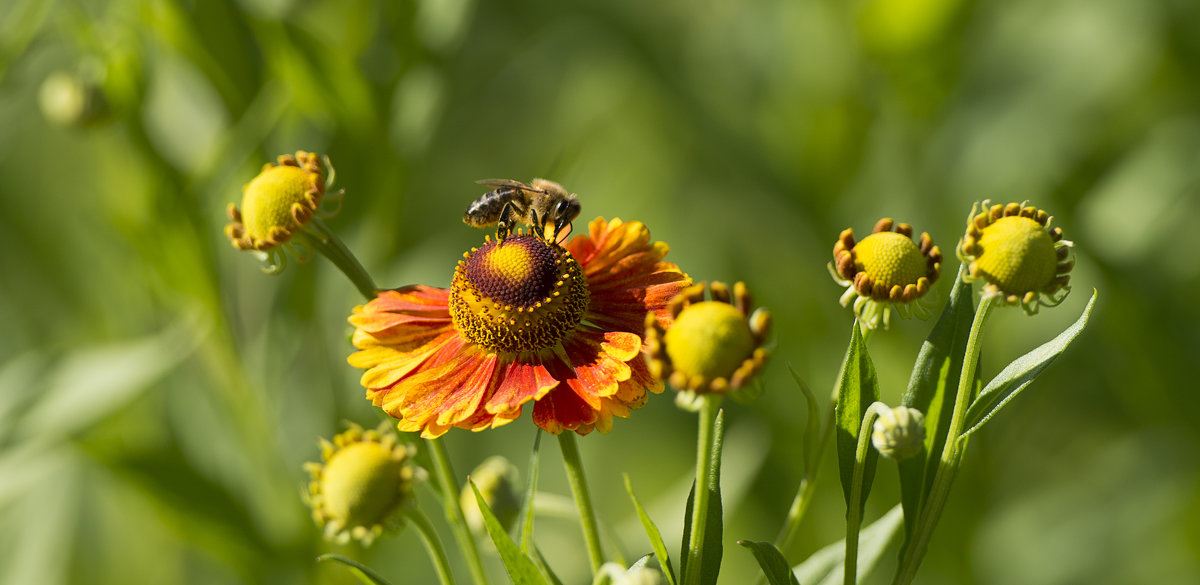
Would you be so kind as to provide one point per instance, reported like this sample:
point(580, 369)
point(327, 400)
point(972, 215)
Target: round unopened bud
point(899, 433)
point(499, 483)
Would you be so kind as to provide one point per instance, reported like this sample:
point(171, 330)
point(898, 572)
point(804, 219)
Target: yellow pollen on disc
point(1017, 255)
point(890, 258)
point(510, 263)
point(269, 198)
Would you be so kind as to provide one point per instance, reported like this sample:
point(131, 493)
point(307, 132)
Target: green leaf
point(1020, 373)
point(858, 388)
point(521, 569)
point(825, 565)
point(540, 561)
point(813, 428)
point(656, 541)
point(773, 563)
point(711, 560)
point(931, 390)
point(363, 572)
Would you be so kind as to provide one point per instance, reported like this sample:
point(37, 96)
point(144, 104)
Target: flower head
point(363, 484)
point(276, 203)
point(899, 433)
point(1023, 260)
point(885, 270)
point(524, 320)
point(713, 345)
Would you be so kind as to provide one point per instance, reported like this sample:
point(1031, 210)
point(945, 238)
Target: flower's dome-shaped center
point(890, 259)
point(267, 200)
point(361, 484)
point(709, 339)
point(522, 294)
point(1017, 255)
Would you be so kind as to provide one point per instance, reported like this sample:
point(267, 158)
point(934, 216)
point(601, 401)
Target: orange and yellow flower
point(525, 319)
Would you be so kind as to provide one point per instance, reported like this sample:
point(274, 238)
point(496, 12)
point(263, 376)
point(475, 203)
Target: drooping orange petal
point(596, 372)
point(562, 410)
point(386, 382)
point(401, 307)
point(522, 380)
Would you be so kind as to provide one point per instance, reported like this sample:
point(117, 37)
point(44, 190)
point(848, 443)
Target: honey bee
point(542, 205)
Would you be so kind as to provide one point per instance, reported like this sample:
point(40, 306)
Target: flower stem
point(804, 493)
point(706, 475)
point(951, 454)
point(433, 543)
point(450, 501)
point(325, 242)
point(583, 500)
point(854, 507)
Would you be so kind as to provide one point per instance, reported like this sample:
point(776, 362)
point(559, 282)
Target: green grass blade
point(363, 572)
point(521, 569)
point(656, 541)
point(825, 565)
point(773, 563)
point(525, 518)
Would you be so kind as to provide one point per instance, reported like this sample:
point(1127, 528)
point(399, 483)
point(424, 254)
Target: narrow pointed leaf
point(931, 390)
point(521, 569)
point(656, 541)
point(773, 563)
point(540, 561)
point(825, 565)
point(1021, 372)
point(363, 572)
point(858, 387)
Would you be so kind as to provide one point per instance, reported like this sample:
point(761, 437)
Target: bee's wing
point(500, 183)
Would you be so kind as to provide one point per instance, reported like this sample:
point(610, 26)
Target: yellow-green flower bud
point(899, 433)
point(711, 345)
point(363, 484)
point(280, 200)
point(885, 270)
point(1015, 251)
point(499, 483)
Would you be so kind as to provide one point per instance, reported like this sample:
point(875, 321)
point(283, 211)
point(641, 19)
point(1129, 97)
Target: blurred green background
point(158, 394)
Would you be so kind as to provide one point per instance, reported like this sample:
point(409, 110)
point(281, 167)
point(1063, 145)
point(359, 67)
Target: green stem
point(450, 501)
point(805, 492)
point(583, 500)
point(433, 543)
point(951, 453)
point(854, 507)
point(705, 476)
point(325, 242)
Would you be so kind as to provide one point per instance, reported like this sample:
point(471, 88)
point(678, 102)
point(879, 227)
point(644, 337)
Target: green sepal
point(774, 564)
point(858, 388)
point(1020, 373)
point(656, 541)
point(521, 569)
point(364, 573)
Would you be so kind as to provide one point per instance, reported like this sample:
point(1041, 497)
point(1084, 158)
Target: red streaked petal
point(413, 305)
point(596, 373)
point(387, 383)
point(451, 392)
point(522, 380)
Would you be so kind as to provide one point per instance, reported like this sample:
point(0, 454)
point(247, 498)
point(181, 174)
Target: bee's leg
point(561, 221)
point(504, 224)
point(539, 224)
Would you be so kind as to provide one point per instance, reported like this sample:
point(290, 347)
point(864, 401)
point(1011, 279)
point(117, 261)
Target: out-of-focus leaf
point(773, 563)
point(710, 562)
point(1020, 373)
point(521, 569)
point(858, 388)
point(364, 573)
point(825, 565)
point(525, 518)
point(90, 384)
point(656, 541)
point(932, 389)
